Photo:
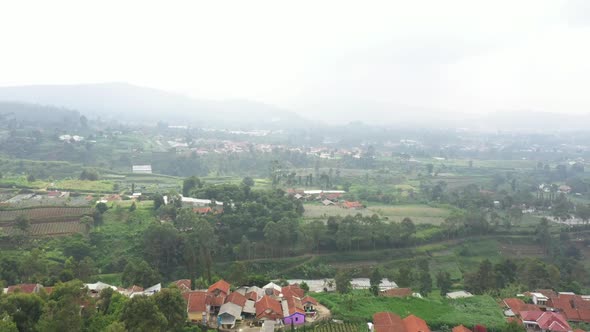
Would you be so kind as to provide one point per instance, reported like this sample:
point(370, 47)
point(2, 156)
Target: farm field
point(51, 228)
point(436, 312)
point(419, 213)
point(46, 213)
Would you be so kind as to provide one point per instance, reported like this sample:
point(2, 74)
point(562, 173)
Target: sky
point(309, 56)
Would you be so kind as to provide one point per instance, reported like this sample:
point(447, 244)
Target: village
point(271, 307)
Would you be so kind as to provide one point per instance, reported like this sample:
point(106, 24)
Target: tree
point(404, 276)
point(189, 184)
point(30, 178)
point(239, 273)
point(158, 201)
point(133, 207)
point(583, 212)
point(424, 278)
point(375, 281)
point(443, 282)
point(171, 304)
point(343, 280)
point(139, 273)
point(115, 327)
point(543, 234)
point(248, 181)
point(303, 285)
point(102, 207)
point(6, 324)
point(22, 223)
point(89, 175)
point(25, 310)
point(141, 314)
point(62, 311)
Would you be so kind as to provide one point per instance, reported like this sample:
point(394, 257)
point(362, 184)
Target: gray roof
point(249, 307)
point(230, 309)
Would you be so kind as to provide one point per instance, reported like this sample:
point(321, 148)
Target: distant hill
point(38, 115)
point(129, 103)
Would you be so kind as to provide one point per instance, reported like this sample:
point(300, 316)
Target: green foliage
point(443, 282)
point(141, 314)
point(139, 273)
point(25, 310)
point(343, 280)
point(173, 306)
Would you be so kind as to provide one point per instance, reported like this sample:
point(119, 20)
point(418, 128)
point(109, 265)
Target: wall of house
point(295, 319)
point(195, 316)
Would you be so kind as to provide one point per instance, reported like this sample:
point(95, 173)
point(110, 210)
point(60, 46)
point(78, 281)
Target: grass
point(436, 312)
point(419, 213)
point(84, 185)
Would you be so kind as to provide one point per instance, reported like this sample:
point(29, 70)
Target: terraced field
point(50, 228)
point(47, 214)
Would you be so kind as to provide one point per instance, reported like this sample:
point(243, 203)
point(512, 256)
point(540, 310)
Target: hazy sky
point(467, 55)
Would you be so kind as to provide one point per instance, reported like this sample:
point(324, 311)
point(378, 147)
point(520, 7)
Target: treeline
point(69, 307)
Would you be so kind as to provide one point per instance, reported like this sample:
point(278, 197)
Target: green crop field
point(361, 305)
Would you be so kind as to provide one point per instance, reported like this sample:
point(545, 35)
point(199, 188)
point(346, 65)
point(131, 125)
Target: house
point(197, 306)
point(236, 298)
point(516, 305)
point(152, 290)
point(352, 205)
point(141, 169)
point(293, 290)
point(228, 314)
point(309, 304)
point(461, 328)
point(249, 309)
point(184, 285)
point(293, 311)
point(565, 189)
point(96, 288)
point(458, 295)
point(574, 307)
point(268, 309)
point(203, 210)
point(273, 286)
point(545, 321)
point(415, 324)
point(397, 292)
point(25, 288)
point(220, 288)
point(539, 298)
point(327, 202)
point(388, 322)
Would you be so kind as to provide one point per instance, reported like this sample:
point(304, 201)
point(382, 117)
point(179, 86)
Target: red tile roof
point(352, 205)
point(197, 301)
point(236, 298)
point(415, 324)
point(252, 296)
point(547, 320)
point(293, 290)
point(518, 305)
point(268, 308)
point(574, 307)
point(294, 305)
point(388, 322)
point(25, 288)
point(217, 301)
point(203, 210)
point(309, 299)
point(461, 328)
point(183, 284)
point(396, 292)
point(221, 285)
